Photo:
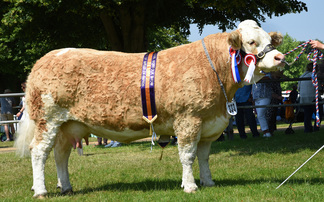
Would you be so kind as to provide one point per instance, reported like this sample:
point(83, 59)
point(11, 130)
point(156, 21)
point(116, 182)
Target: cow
point(72, 93)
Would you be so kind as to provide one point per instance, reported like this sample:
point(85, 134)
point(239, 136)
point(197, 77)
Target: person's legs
point(12, 129)
point(99, 139)
point(308, 112)
point(6, 129)
point(272, 122)
point(251, 121)
point(261, 115)
point(4, 117)
point(239, 118)
point(110, 144)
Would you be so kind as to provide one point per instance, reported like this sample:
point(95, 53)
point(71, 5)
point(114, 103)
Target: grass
point(243, 170)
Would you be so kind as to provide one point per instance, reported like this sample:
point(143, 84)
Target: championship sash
point(147, 87)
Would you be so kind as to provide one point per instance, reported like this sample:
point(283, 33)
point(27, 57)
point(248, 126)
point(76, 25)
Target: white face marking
point(65, 50)
point(254, 40)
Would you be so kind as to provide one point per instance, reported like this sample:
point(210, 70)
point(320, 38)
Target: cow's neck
point(217, 47)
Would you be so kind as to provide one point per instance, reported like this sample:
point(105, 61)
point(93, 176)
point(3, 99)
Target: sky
point(301, 26)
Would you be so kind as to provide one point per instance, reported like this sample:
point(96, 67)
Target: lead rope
point(230, 106)
point(316, 57)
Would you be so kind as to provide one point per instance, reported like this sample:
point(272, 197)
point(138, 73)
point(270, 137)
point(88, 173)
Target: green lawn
point(243, 170)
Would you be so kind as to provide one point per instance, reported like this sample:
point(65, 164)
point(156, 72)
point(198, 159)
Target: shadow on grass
point(1, 147)
point(145, 186)
point(280, 143)
point(174, 185)
point(236, 182)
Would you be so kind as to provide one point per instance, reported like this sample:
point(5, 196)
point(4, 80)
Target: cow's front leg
point(62, 151)
point(188, 131)
point(203, 158)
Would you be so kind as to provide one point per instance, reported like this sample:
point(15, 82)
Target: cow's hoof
point(39, 196)
point(190, 191)
point(207, 183)
point(190, 188)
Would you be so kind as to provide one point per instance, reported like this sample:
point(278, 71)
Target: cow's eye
point(251, 43)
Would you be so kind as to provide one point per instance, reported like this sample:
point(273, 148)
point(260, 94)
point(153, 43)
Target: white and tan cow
point(74, 92)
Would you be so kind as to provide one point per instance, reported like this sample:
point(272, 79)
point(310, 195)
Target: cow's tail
point(24, 135)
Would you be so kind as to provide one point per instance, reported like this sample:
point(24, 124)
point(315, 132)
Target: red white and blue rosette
point(236, 59)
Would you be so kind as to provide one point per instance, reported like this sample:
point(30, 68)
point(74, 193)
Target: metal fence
point(16, 107)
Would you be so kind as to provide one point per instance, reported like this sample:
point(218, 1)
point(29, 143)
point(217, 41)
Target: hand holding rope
point(317, 55)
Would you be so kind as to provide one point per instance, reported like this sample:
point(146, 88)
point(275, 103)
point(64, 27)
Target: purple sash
point(147, 87)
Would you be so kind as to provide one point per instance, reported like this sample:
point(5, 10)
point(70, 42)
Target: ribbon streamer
point(249, 61)
point(234, 64)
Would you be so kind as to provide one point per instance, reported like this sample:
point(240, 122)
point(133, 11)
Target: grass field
point(243, 170)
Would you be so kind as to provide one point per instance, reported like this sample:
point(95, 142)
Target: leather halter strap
point(261, 54)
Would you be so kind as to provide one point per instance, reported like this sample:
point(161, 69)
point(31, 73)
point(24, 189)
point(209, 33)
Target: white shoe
point(267, 135)
point(110, 144)
point(116, 144)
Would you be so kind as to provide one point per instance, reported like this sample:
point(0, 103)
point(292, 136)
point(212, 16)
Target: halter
point(261, 54)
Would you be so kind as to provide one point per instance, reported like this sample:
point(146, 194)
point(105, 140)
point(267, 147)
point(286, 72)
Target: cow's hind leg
point(71, 133)
point(41, 147)
point(203, 158)
point(188, 131)
point(62, 151)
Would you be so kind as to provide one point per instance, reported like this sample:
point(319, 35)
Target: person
point(99, 141)
point(7, 114)
point(261, 93)
point(276, 98)
point(307, 95)
point(113, 144)
point(22, 103)
point(316, 44)
point(243, 97)
point(293, 94)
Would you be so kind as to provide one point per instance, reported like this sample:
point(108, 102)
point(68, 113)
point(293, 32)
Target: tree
point(30, 28)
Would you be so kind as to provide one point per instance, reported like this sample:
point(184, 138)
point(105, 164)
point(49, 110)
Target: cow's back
point(102, 88)
point(96, 86)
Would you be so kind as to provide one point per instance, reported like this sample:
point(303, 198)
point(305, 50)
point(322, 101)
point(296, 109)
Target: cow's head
point(252, 39)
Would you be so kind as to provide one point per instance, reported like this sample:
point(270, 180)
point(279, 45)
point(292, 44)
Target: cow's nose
point(279, 57)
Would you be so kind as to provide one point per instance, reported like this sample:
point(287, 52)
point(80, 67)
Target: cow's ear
point(276, 38)
point(234, 39)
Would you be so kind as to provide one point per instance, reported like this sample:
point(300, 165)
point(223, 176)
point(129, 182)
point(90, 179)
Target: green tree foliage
point(30, 28)
point(163, 38)
point(299, 66)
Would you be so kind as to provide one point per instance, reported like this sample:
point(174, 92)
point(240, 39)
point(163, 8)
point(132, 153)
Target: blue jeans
point(261, 112)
